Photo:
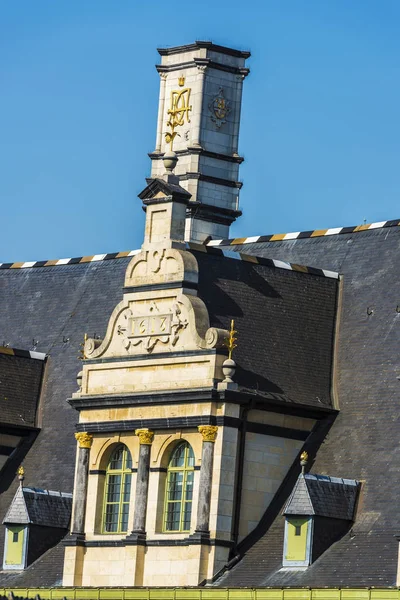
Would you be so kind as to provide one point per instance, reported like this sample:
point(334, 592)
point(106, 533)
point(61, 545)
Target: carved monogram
point(152, 328)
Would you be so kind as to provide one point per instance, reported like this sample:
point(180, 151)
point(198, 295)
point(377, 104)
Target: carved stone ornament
point(145, 436)
point(155, 327)
point(84, 439)
point(208, 432)
point(219, 108)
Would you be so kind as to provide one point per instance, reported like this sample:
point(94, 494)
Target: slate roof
point(65, 301)
point(323, 496)
point(20, 382)
point(364, 439)
point(40, 507)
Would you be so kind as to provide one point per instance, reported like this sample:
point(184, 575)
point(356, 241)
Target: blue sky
point(78, 107)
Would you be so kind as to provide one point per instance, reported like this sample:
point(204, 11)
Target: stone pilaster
point(209, 433)
point(81, 482)
point(196, 142)
point(161, 104)
point(238, 101)
point(142, 482)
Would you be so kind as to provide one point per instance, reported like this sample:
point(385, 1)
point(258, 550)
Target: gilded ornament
point(21, 471)
point(219, 108)
point(82, 355)
point(84, 439)
point(145, 436)
point(208, 432)
point(232, 339)
point(178, 112)
point(304, 456)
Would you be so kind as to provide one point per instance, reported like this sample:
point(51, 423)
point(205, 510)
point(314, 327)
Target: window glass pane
point(116, 459)
point(111, 520)
point(124, 517)
point(187, 513)
point(178, 457)
point(189, 485)
point(127, 488)
point(179, 489)
point(173, 516)
point(175, 482)
point(117, 491)
point(190, 461)
point(128, 461)
point(113, 488)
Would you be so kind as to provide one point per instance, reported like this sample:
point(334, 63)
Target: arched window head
point(117, 491)
point(179, 489)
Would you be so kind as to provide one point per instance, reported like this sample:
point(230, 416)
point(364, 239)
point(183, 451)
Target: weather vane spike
point(231, 341)
point(82, 355)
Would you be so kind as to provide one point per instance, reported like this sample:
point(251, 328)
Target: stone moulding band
point(204, 44)
point(210, 64)
point(192, 423)
point(190, 541)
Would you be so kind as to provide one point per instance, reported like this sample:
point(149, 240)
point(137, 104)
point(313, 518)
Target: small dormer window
point(35, 521)
point(15, 547)
point(298, 535)
point(319, 511)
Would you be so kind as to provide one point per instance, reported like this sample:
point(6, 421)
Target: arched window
point(117, 491)
point(179, 489)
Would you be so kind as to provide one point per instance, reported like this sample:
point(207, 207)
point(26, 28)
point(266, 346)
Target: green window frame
point(117, 491)
point(179, 489)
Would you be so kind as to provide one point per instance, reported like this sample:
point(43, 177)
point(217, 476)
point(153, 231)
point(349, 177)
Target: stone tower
point(199, 117)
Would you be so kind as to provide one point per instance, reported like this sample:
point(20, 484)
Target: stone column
point(199, 108)
point(209, 433)
point(161, 104)
point(238, 107)
point(142, 482)
point(81, 482)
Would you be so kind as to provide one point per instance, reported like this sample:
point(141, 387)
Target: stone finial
point(170, 159)
point(145, 436)
point(303, 461)
point(228, 369)
point(208, 432)
point(84, 439)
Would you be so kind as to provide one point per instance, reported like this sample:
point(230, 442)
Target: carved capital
point(145, 436)
point(208, 432)
point(84, 439)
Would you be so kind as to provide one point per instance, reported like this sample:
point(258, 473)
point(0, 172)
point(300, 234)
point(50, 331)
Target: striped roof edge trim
point(209, 248)
point(22, 353)
point(269, 262)
point(68, 261)
point(228, 242)
point(296, 235)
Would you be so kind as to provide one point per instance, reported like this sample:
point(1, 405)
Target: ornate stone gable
point(159, 335)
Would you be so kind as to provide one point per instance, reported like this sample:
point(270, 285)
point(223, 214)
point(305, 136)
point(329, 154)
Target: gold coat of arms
point(219, 108)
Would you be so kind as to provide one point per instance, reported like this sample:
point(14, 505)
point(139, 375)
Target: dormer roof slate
point(323, 496)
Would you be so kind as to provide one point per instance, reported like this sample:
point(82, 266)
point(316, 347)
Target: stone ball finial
point(229, 369)
point(170, 159)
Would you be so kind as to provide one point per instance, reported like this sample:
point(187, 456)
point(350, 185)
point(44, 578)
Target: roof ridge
point(282, 237)
point(22, 353)
point(209, 248)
